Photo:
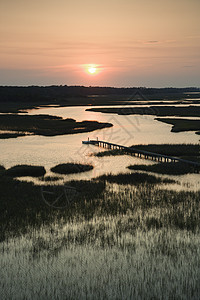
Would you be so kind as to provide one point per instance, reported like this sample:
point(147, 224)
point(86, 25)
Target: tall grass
point(22, 204)
point(109, 242)
point(134, 178)
point(133, 243)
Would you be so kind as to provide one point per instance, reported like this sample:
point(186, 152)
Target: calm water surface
point(126, 130)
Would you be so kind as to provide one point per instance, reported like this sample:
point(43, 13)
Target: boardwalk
point(144, 154)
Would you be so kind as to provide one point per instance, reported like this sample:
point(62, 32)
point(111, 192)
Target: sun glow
point(91, 69)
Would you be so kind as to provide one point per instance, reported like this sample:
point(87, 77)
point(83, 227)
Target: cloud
point(152, 42)
point(189, 66)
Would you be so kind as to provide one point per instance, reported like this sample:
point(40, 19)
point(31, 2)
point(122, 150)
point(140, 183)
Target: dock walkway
point(144, 154)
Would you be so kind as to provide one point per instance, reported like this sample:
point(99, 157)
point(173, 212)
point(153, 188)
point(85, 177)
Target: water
point(126, 130)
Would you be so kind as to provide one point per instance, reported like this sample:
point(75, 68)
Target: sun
point(92, 70)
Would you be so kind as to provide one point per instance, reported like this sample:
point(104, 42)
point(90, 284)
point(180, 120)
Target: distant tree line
point(63, 92)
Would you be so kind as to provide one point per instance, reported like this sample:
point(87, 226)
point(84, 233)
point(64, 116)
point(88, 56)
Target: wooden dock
point(144, 154)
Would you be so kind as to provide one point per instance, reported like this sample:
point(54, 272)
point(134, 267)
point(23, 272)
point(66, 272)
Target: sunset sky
point(152, 43)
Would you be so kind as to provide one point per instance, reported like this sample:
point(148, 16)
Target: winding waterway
point(127, 130)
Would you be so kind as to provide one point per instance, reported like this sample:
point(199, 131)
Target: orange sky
point(132, 43)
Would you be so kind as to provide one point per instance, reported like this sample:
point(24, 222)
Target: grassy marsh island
point(47, 125)
point(113, 152)
point(177, 150)
point(71, 168)
point(11, 135)
point(182, 124)
point(169, 168)
point(182, 111)
point(178, 124)
point(25, 170)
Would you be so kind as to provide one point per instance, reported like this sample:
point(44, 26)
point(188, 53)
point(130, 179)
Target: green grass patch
point(71, 168)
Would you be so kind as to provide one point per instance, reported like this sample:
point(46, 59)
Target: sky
point(120, 43)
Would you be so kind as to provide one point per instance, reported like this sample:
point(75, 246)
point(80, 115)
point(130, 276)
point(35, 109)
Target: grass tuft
point(50, 178)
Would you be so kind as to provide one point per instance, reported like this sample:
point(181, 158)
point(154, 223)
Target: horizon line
point(98, 86)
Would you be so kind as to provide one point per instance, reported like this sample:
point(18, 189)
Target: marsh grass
point(2, 168)
point(11, 135)
point(50, 178)
point(151, 270)
point(192, 158)
point(25, 170)
point(182, 111)
point(145, 207)
point(47, 125)
point(23, 207)
point(180, 150)
point(134, 178)
point(171, 149)
point(71, 168)
point(176, 168)
point(101, 245)
point(182, 124)
point(110, 153)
